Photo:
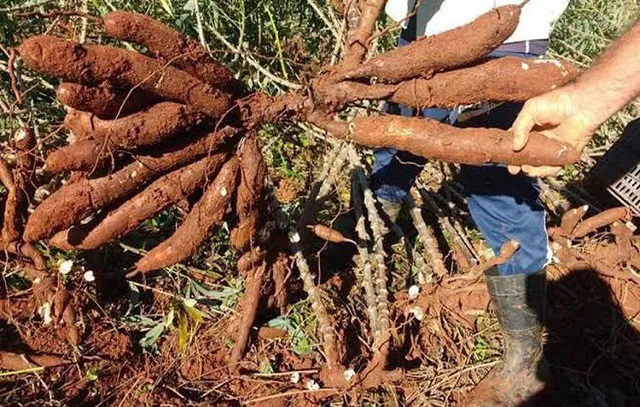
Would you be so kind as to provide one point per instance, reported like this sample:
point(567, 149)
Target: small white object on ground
point(89, 276)
point(349, 374)
point(312, 385)
point(414, 291)
point(417, 312)
point(65, 267)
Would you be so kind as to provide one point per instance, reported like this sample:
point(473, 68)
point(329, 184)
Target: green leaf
point(265, 367)
point(91, 375)
point(190, 6)
point(183, 332)
point(169, 322)
point(166, 5)
point(193, 313)
point(152, 336)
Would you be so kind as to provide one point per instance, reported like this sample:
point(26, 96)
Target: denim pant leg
point(506, 207)
point(394, 172)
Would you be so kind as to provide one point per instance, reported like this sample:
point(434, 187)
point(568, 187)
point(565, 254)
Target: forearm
point(613, 81)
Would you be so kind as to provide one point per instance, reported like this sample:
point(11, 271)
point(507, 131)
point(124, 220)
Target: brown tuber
point(508, 79)
point(451, 49)
point(602, 219)
point(209, 211)
point(73, 202)
point(143, 129)
point(95, 64)
point(174, 47)
point(431, 139)
point(165, 191)
point(103, 100)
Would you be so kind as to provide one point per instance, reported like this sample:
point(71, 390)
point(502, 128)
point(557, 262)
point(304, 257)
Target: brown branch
point(358, 43)
point(59, 13)
point(397, 24)
point(431, 249)
point(12, 76)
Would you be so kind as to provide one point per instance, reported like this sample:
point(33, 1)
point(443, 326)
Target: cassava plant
point(151, 129)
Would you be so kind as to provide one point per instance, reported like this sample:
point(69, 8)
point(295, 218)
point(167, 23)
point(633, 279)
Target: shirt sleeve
point(399, 9)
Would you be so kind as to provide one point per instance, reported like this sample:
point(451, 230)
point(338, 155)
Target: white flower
point(417, 312)
point(223, 191)
point(189, 302)
point(295, 377)
point(65, 267)
point(349, 374)
point(414, 290)
point(312, 385)
point(89, 276)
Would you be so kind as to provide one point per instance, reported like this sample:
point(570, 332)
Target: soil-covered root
point(249, 308)
point(506, 252)
point(602, 219)
point(95, 64)
point(103, 100)
point(431, 139)
point(457, 47)
point(260, 108)
point(208, 212)
point(173, 47)
point(17, 362)
point(10, 223)
point(508, 79)
point(25, 250)
point(244, 234)
point(82, 124)
point(251, 259)
point(74, 202)
point(165, 191)
point(571, 219)
point(253, 176)
point(152, 126)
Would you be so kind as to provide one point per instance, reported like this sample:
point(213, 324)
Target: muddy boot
point(520, 302)
point(391, 209)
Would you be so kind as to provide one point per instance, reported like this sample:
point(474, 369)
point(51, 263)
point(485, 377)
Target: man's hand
point(558, 115)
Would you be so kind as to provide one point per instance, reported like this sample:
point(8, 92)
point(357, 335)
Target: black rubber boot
point(520, 304)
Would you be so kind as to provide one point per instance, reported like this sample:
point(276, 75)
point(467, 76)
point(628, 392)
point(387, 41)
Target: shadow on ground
point(592, 348)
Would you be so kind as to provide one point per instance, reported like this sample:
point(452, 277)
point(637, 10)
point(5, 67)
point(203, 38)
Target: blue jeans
point(504, 207)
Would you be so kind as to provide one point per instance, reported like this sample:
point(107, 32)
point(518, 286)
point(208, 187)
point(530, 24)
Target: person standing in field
point(505, 207)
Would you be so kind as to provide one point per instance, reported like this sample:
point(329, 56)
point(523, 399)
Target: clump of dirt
point(288, 190)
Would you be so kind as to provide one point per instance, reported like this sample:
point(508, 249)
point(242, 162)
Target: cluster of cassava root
point(152, 130)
